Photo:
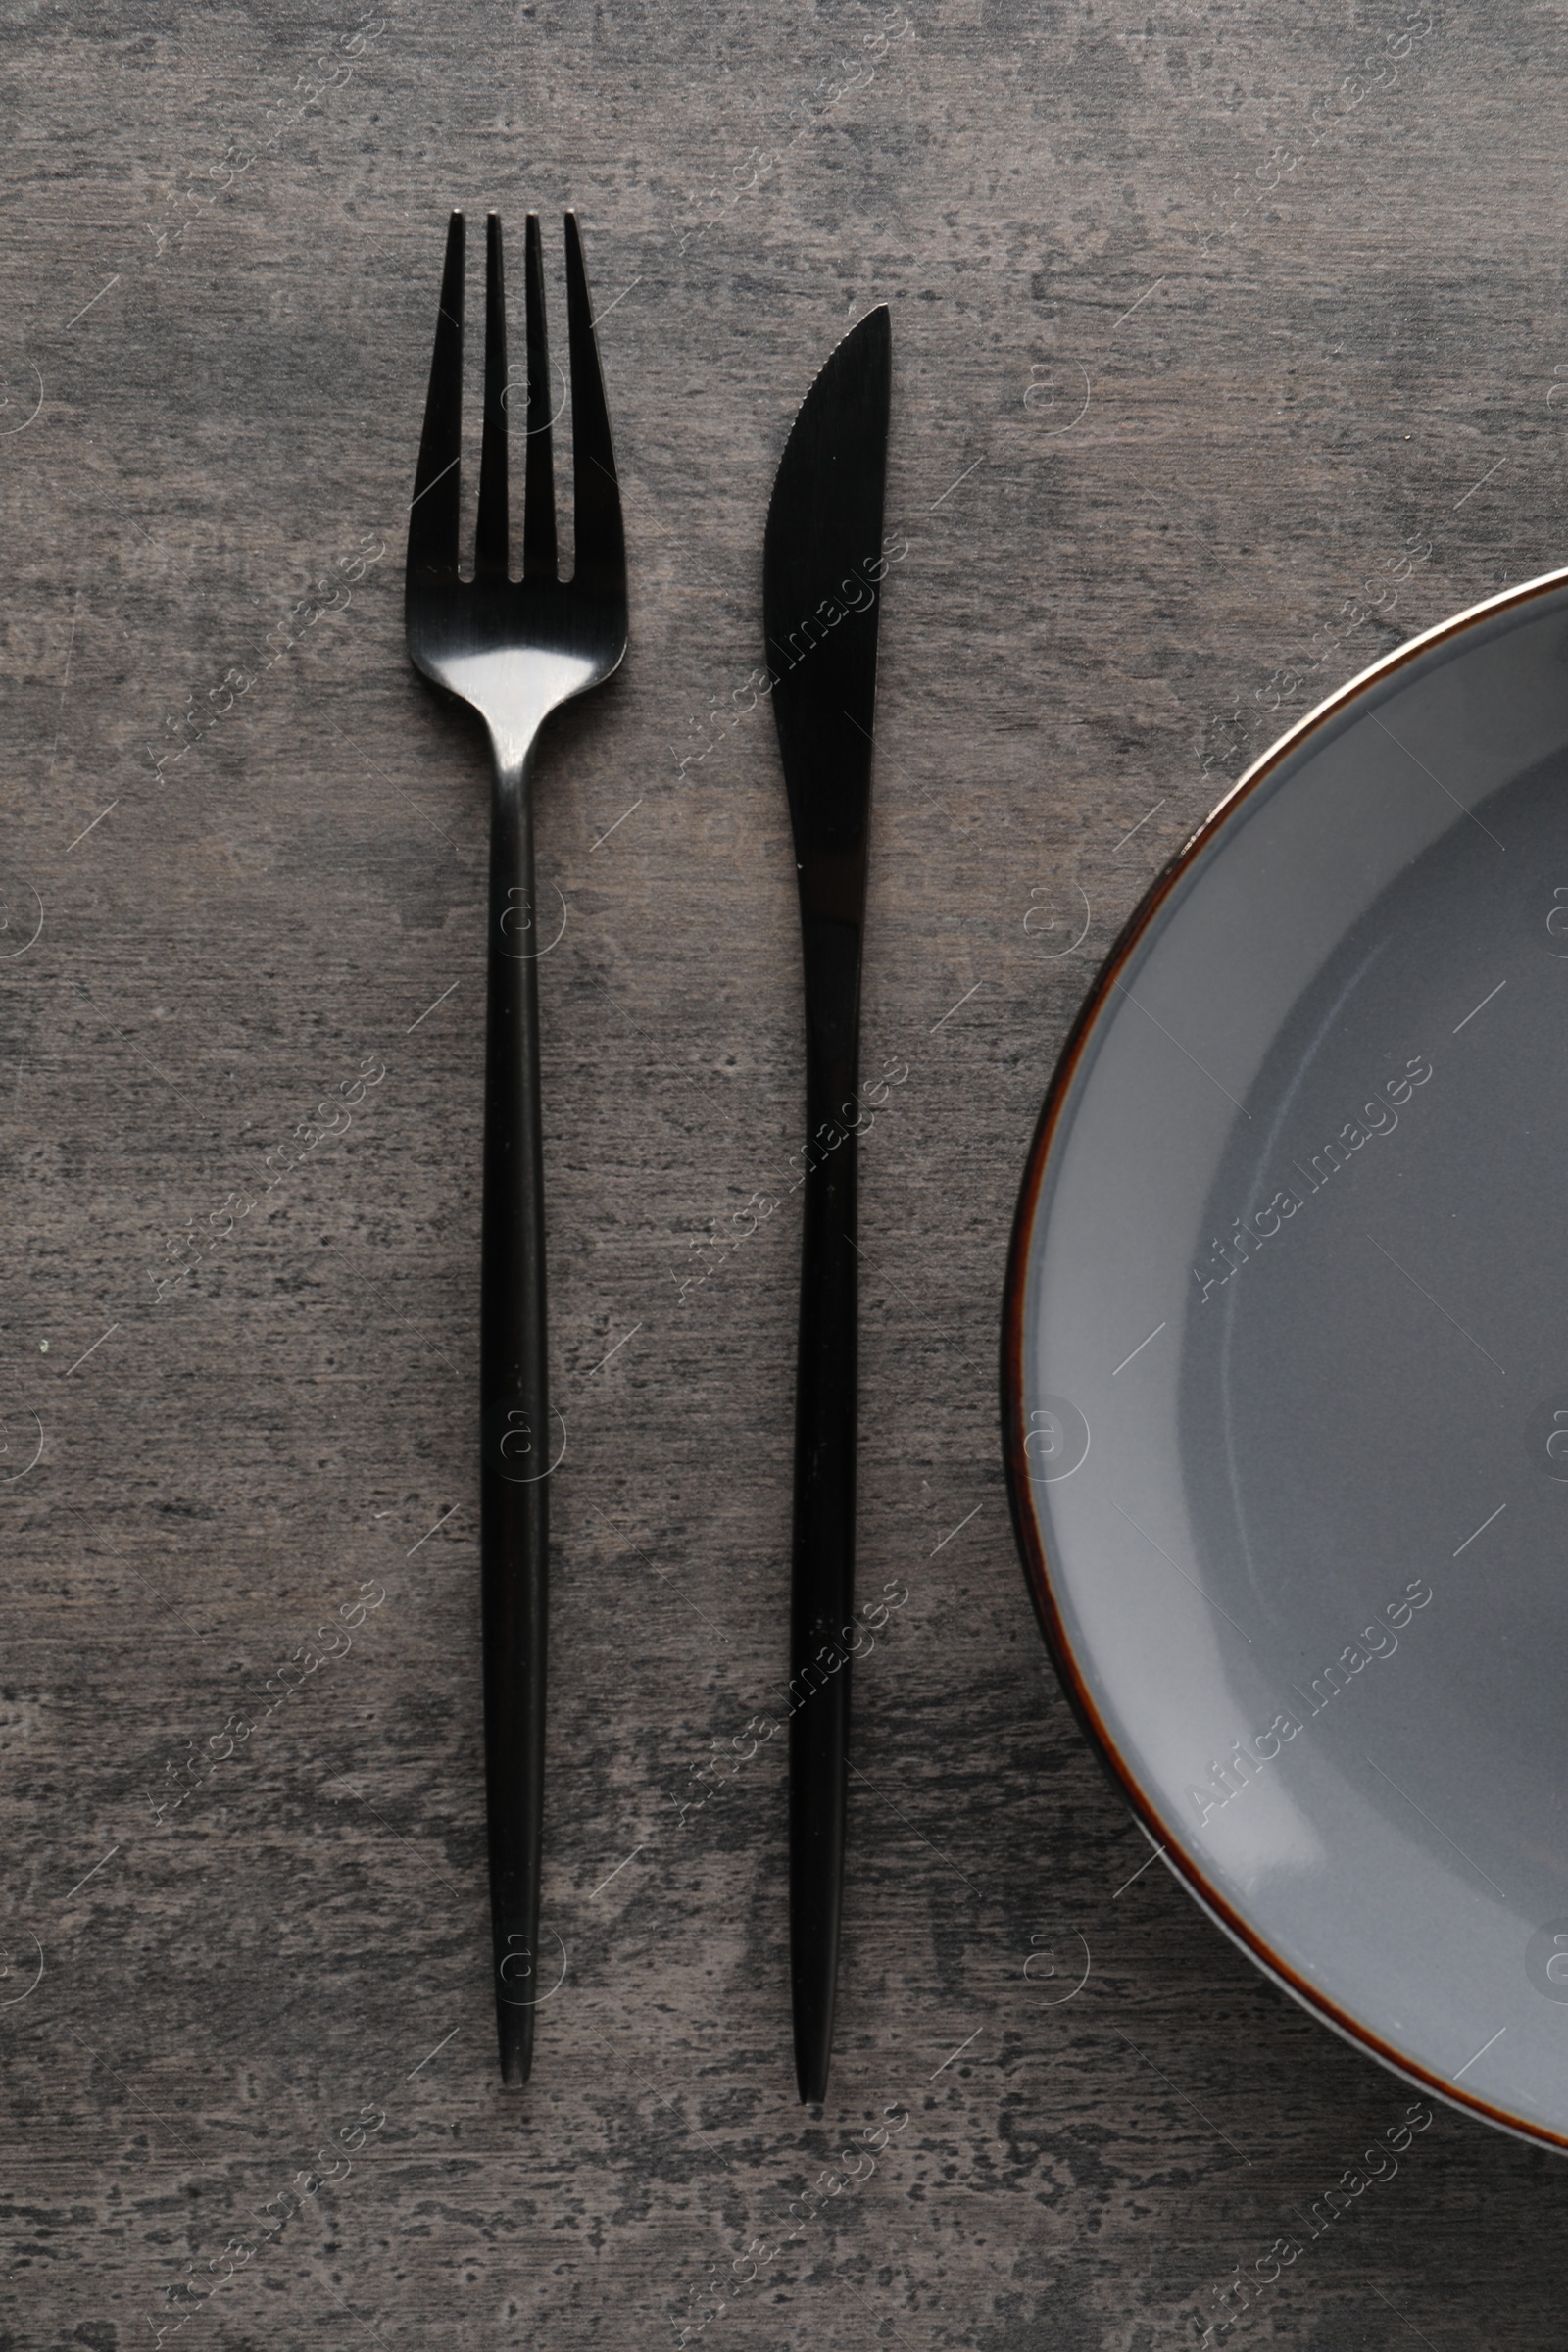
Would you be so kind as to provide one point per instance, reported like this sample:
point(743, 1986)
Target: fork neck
point(511, 763)
point(514, 733)
point(512, 934)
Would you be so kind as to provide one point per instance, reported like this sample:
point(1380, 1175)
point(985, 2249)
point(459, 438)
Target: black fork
point(513, 651)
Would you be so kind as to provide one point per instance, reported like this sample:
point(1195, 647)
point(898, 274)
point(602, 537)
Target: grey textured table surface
point(1226, 354)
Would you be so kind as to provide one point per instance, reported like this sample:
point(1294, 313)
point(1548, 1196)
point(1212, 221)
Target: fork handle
point(516, 1449)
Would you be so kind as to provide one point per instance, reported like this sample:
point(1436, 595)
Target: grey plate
point(1285, 1361)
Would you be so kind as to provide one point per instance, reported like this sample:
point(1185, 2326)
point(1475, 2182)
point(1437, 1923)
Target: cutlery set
point(513, 651)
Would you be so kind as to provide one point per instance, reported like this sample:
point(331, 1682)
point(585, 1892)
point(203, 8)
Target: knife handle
point(822, 1586)
point(516, 1426)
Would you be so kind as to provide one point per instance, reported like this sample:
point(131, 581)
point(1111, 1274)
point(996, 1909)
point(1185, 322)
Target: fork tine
point(433, 513)
point(539, 480)
point(490, 548)
point(601, 565)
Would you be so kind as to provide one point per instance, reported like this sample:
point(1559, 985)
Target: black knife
point(822, 567)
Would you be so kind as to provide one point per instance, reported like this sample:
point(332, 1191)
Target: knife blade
point(822, 566)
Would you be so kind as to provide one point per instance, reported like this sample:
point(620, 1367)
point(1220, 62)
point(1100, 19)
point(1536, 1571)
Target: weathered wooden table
point(1227, 353)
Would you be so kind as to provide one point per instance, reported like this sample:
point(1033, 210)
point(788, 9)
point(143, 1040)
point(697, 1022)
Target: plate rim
point(1032, 1551)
